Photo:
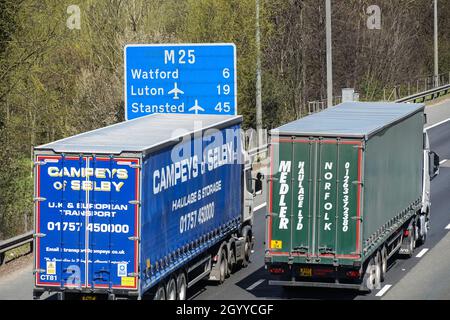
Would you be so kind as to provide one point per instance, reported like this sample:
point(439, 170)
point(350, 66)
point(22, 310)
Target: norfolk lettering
point(328, 205)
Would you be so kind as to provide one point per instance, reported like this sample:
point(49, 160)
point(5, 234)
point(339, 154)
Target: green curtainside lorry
point(349, 187)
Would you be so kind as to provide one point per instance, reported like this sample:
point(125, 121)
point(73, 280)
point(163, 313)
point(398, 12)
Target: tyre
point(371, 277)
point(425, 233)
point(171, 289)
point(247, 251)
point(223, 267)
point(231, 262)
point(411, 241)
point(181, 286)
point(384, 258)
point(423, 238)
point(160, 293)
point(377, 280)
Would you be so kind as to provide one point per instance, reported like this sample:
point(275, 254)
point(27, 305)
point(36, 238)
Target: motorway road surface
point(424, 276)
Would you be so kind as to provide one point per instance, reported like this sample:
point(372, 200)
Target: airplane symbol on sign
point(196, 107)
point(175, 91)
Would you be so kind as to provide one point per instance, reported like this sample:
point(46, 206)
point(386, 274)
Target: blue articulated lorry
point(142, 209)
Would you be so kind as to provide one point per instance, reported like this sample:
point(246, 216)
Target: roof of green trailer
point(139, 135)
point(350, 119)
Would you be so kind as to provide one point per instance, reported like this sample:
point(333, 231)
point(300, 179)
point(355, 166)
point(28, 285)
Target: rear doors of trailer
point(315, 198)
point(87, 221)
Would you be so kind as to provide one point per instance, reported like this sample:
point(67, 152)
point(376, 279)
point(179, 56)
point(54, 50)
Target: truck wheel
point(377, 283)
point(181, 286)
point(425, 233)
point(160, 293)
point(247, 251)
point(223, 267)
point(423, 238)
point(371, 278)
point(171, 290)
point(383, 269)
point(411, 242)
point(232, 262)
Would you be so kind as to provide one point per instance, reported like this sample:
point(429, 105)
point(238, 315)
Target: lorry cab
point(432, 158)
point(430, 171)
point(248, 188)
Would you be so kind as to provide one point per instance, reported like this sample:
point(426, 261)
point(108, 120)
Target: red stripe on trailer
point(36, 261)
point(270, 197)
point(358, 205)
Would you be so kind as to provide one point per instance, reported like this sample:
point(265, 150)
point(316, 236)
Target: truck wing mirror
point(435, 164)
point(258, 183)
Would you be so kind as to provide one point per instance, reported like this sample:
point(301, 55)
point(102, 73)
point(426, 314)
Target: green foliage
point(16, 200)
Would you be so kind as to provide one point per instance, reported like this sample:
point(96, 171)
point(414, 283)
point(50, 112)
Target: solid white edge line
point(437, 124)
point(383, 291)
point(257, 283)
point(262, 205)
point(447, 227)
point(422, 252)
point(441, 162)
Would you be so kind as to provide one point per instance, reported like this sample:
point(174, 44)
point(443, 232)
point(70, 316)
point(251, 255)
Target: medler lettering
point(285, 168)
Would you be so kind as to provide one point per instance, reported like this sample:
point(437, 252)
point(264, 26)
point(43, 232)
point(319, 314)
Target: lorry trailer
point(349, 188)
point(142, 209)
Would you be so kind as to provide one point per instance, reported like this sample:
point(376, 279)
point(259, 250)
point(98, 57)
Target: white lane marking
point(447, 227)
point(422, 252)
point(441, 162)
point(437, 124)
point(383, 291)
point(262, 205)
point(257, 283)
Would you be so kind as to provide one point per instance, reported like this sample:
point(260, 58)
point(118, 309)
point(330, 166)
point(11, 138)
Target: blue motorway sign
point(180, 78)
